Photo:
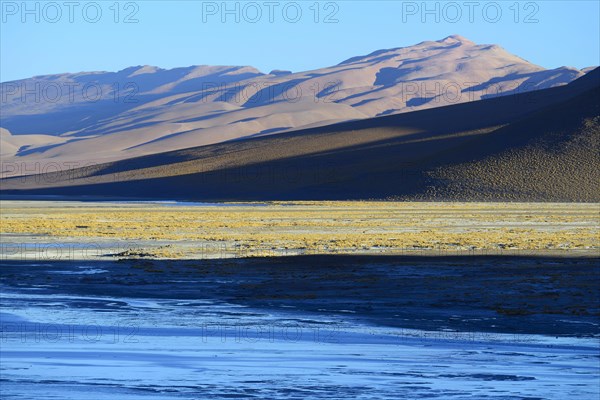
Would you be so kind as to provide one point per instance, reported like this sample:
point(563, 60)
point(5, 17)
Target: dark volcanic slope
point(536, 146)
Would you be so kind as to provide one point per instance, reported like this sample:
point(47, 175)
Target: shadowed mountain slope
point(108, 116)
point(536, 146)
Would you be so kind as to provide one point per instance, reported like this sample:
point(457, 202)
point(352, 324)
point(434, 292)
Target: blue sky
point(51, 37)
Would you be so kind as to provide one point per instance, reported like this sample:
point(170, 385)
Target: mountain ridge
point(536, 146)
point(145, 109)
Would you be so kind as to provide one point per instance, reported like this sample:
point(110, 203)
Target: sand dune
point(107, 116)
point(537, 146)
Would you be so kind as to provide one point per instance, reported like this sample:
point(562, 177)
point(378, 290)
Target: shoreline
point(91, 230)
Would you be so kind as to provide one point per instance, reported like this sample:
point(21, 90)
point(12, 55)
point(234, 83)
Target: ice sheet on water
point(56, 345)
point(152, 359)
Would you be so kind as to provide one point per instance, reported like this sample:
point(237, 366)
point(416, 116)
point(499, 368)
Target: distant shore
point(156, 230)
